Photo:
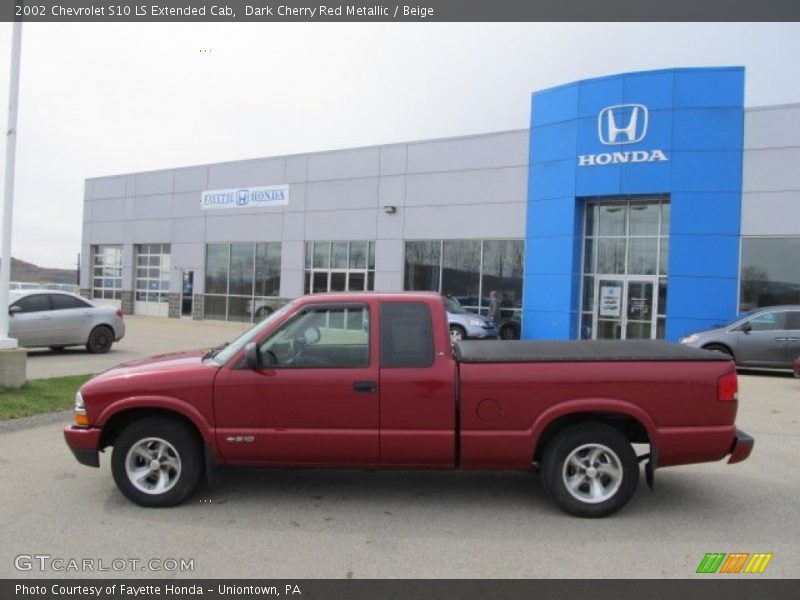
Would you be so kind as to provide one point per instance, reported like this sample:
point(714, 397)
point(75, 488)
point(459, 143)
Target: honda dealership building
point(640, 205)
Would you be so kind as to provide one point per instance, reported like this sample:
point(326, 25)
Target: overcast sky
point(116, 98)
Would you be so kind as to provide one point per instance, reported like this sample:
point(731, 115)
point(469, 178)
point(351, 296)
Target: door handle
point(782, 339)
point(44, 318)
point(365, 386)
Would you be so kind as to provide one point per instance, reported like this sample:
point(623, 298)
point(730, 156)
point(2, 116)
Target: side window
point(406, 335)
point(320, 336)
point(62, 302)
point(793, 321)
point(768, 321)
point(34, 303)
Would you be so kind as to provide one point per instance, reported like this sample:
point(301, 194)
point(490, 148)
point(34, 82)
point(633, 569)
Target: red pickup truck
point(373, 381)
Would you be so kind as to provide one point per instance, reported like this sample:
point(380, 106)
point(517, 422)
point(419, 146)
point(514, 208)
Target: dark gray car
point(766, 337)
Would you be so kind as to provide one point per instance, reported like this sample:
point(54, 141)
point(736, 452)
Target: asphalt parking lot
point(144, 336)
point(294, 524)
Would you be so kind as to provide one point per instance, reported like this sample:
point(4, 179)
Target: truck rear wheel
point(157, 461)
point(590, 470)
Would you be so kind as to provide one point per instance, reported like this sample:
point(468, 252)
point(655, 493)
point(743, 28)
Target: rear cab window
point(406, 335)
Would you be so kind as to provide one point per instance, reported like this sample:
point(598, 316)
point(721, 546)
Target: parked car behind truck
point(768, 337)
point(373, 381)
point(466, 325)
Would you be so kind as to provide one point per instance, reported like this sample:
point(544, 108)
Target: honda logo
point(622, 124)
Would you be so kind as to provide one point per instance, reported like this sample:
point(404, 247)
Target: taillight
point(119, 312)
point(728, 388)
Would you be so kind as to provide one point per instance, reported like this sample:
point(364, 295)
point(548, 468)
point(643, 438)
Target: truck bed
point(580, 351)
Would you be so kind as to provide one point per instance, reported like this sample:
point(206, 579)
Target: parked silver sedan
point(767, 337)
point(49, 318)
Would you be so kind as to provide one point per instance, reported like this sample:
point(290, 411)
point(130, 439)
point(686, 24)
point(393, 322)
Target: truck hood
point(173, 361)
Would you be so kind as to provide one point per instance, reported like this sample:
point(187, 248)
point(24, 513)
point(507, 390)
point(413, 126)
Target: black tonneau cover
point(492, 351)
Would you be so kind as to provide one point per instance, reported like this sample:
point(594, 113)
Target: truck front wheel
point(157, 461)
point(590, 470)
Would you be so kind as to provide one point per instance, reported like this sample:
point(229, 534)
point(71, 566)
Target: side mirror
point(12, 310)
point(747, 328)
point(251, 355)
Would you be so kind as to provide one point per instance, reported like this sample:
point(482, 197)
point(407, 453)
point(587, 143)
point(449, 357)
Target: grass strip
point(39, 396)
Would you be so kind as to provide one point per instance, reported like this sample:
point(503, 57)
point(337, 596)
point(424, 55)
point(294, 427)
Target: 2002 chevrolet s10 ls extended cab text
point(372, 381)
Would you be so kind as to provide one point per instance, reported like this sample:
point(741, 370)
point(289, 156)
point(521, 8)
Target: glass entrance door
point(625, 258)
point(187, 293)
point(626, 309)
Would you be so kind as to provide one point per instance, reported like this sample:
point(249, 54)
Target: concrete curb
point(62, 416)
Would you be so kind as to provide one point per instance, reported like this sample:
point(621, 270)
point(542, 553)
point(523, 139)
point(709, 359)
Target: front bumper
point(84, 442)
point(741, 448)
point(481, 333)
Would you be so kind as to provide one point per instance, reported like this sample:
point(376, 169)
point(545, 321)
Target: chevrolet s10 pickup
point(373, 381)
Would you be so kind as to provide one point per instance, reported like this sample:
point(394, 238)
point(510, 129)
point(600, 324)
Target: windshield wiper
point(213, 352)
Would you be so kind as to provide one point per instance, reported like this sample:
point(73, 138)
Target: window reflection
point(469, 270)
point(242, 280)
point(770, 272)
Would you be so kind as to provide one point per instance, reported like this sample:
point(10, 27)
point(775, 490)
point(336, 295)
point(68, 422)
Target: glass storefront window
point(268, 269)
point(469, 270)
point(242, 280)
point(611, 219)
point(339, 258)
point(770, 272)
point(339, 266)
point(611, 255)
point(503, 262)
point(643, 219)
point(423, 265)
point(642, 256)
point(241, 275)
point(461, 271)
point(217, 268)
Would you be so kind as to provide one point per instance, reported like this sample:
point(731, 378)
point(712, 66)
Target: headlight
point(475, 322)
point(690, 339)
point(80, 411)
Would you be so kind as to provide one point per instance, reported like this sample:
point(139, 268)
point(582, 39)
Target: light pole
point(8, 190)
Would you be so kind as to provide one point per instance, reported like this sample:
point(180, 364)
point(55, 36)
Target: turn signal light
point(81, 419)
point(728, 388)
point(119, 312)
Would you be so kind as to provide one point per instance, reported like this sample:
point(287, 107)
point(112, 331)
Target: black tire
point(183, 480)
point(100, 339)
point(720, 348)
point(457, 333)
point(263, 312)
point(616, 455)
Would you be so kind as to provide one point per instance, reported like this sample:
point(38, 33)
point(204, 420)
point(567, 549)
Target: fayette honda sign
point(619, 125)
point(254, 197)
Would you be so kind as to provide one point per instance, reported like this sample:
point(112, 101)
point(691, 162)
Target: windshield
point(736, 319)
point(228, 351)
point(453, 306)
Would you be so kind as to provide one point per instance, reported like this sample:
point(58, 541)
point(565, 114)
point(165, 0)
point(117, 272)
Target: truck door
point(417, 388)
point(314, 398)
